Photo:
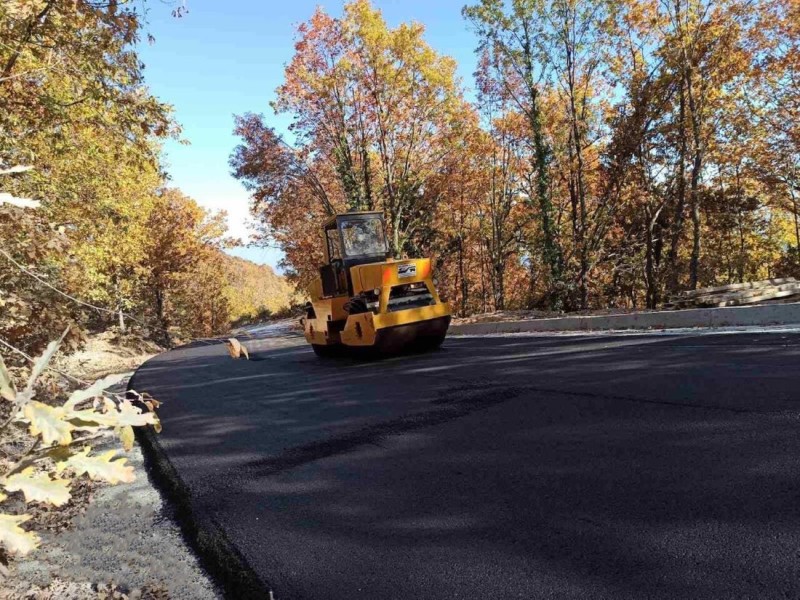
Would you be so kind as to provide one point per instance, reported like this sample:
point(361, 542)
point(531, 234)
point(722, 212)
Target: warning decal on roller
point(406, 270)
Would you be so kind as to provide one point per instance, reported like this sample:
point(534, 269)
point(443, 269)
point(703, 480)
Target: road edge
point(711, 318)
point(226, 566)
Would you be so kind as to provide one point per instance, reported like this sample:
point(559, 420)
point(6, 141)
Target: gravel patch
point(126, 544)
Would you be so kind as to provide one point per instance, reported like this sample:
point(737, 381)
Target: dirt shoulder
point(105, 353)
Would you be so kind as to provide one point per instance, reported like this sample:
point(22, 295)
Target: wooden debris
point(237, 349)
point(738, 294)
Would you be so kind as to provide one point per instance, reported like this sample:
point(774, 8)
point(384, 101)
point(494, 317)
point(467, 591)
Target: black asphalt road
point(499, 467)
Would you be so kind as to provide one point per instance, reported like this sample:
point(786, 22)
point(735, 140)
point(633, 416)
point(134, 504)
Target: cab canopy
point(355, 238)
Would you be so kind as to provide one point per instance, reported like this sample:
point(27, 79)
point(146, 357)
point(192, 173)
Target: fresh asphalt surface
point(498, 467)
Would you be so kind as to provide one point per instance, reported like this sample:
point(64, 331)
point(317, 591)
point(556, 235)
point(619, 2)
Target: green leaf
point(41, 363)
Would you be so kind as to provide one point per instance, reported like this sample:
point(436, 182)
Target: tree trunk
point(531, 283)
point(540, 163)
point(551, 251)
point(463, 275)
point(483, 275)
point(462, 267)
point(651, 282)
point(741, 261)
point(694, 264)
point(697, 166)
point(499, 284)
point(162, 318)
point(795, 211)
point(677, 228)
point(580, 188)
point(118, 294)
point(395, 249)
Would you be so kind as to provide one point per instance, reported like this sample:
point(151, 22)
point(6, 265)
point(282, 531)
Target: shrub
point(53, 443)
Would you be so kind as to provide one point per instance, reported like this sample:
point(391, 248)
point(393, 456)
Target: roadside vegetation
point(111, 243)
point(53, 448)
point(606, 153)
point(102, 261)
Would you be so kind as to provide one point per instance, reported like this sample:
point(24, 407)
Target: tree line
point(111, 242)
point(606, 152)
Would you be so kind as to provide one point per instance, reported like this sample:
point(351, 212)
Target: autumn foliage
point(607, 154)
point(111, 244)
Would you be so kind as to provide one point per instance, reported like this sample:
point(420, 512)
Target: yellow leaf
point(122, 415)
point(94, 390)
point(38, 487)
point(92, 416)
point(100, 467)
point(6, 198)
point(49, 422)
point(128, 414)
point(126, 437)
point(2, 496)
point(7, 390)
point(15, 538)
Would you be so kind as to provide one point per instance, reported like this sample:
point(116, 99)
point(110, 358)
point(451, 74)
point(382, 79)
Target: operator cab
point(351, 239)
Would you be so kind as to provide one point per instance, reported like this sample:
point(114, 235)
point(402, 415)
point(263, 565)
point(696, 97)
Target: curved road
point(637, 466)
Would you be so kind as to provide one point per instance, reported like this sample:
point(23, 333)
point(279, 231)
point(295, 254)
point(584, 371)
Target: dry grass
point(107, 353)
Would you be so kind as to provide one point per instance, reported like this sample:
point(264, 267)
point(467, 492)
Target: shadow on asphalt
point(589, 467)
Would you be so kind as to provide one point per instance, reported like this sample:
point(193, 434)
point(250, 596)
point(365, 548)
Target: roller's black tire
point(429, 343)
point(326, 351)
point(437, 341)
point(421, 336)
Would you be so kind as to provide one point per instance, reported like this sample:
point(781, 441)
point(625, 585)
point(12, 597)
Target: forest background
point(613, 153)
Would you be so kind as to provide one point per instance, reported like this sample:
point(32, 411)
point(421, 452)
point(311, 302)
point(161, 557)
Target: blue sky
point(227, 57)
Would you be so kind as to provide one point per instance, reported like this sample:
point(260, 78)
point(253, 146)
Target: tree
point(64, 63)
point(509, 31)
point(184, 267)
point(255, 290)
point(73, 107)
point(373, 111)
point(772, 104)
point(289, 195)
point(616, 151)
point(506, 161)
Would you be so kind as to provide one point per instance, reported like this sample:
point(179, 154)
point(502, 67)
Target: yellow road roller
point(365, 300)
